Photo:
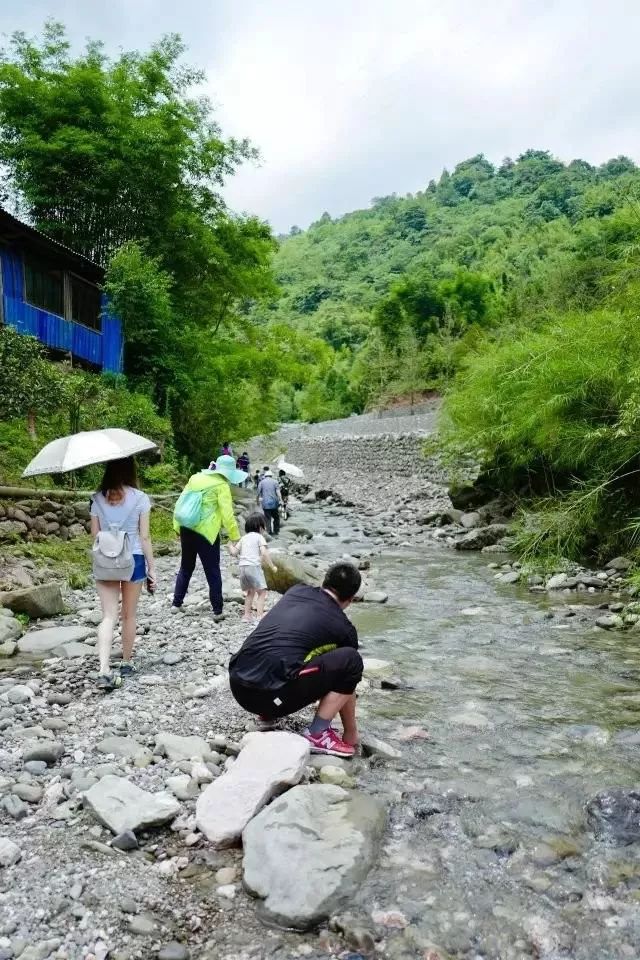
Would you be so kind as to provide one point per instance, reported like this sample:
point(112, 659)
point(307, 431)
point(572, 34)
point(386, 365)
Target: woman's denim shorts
point(140, 568)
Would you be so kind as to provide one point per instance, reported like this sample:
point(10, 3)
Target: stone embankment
point(28, 515)
point(363, 459)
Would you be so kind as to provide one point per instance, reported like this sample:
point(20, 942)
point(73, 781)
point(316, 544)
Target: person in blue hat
point(204, 507)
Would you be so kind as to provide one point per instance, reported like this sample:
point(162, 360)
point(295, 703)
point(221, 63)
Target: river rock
point(10, 852)
point(120, 805)
point(11, 530)
point(43, 600)
point(20, 694)
point(10, 629)
point(511, 576)
point(125, 841)
point(620, 564)
point(375, 596)
point(374, 747)
point(337, 776)
point(29, 792)
point(290, 571)
point(373, 667)
point(267, 764)
point(174, 951)
point(125, 747)
point(8, 648)
point(482, 537)
point(43, 641)
point(183, 787)
point(610, 622)
point(557, 581)
point(330, 837)
point(299, 531)
point(48, 750)
point(15, 807)
point(181, 748)
point(470, 520)
point(614, 816)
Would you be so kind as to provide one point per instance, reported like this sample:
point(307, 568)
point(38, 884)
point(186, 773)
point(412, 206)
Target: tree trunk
point(31, 424)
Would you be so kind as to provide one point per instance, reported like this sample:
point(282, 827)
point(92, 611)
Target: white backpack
point(111, 551)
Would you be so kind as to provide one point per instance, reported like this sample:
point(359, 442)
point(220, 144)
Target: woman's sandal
point(108, 682)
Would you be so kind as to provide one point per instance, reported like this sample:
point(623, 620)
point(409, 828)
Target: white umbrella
point(290, 469)
point(86, 448)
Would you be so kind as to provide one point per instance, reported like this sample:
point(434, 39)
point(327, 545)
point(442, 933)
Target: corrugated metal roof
point(8, 220)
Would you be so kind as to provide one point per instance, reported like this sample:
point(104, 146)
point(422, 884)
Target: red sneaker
point(330, 743)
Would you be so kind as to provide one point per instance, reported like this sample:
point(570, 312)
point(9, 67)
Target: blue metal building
point(53, 293)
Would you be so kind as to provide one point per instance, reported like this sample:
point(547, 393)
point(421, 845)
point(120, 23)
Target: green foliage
point(27, 382)
point(104, 151)
point(556, 413)
point(122, 159)
point(84, 402)
point(482, 247)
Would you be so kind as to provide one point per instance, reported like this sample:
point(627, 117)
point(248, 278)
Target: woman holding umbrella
point(120, 515)
point(119, 503)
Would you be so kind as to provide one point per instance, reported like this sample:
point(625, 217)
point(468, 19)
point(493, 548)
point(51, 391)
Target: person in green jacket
point(203, 540)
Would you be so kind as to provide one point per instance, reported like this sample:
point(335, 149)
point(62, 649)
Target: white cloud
point(349, 99)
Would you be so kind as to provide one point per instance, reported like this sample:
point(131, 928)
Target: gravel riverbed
point(502, 713)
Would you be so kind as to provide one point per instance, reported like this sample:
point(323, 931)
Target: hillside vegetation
point(515, 290)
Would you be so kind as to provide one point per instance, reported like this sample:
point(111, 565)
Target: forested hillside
point(514, 290)
point(402, 290)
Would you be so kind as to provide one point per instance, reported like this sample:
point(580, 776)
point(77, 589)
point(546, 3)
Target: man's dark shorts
point(338, 671)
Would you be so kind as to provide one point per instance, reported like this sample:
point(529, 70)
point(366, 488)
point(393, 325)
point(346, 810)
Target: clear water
point(488, 852)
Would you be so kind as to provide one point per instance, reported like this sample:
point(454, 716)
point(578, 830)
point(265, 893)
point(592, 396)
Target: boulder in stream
point(482, 537)
point(290, 571)
point(614, 816)
point(307, 854)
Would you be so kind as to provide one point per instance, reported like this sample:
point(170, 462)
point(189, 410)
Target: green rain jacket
point(217, 506)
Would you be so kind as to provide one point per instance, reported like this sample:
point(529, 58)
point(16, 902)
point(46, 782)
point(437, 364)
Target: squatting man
point(305, 651)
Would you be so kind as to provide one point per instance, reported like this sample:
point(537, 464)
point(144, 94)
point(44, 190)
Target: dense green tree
point(28, 384)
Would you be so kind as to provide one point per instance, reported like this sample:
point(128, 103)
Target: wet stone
point(173, 951)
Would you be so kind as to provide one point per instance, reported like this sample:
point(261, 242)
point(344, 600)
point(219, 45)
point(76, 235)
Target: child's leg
point(262, 596)
point(248, 603)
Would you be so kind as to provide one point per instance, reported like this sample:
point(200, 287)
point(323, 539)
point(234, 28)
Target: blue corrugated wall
point(103, 349)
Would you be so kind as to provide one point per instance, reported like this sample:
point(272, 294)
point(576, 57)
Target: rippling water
point(529, 713)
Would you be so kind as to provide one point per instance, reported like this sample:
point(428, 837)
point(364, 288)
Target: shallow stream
point(530, 712)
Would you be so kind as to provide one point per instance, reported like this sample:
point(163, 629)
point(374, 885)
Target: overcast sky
point(351, 99)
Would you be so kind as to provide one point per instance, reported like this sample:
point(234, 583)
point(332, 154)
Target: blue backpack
point(188, 511)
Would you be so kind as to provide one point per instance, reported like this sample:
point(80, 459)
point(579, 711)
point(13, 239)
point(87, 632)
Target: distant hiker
point(257, 477)
point(203, 508)
point(269, 499)
point(305, 650)
point(120, 515)
point(243, 463)
point(225, 450)
point(284, 482)
point(252, 552)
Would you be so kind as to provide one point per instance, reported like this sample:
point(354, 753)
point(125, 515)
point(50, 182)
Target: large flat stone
point(125, 747)
point(307, 854)
point(44, 600)
point(267, 764)
point(120, 805)
point(181, 748)
point(43, 641)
